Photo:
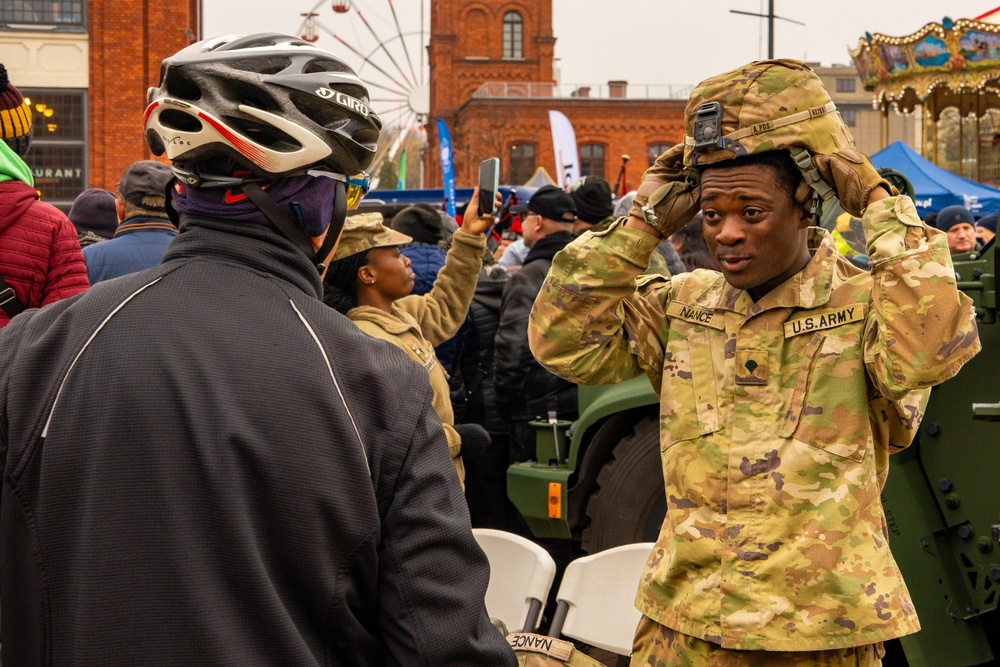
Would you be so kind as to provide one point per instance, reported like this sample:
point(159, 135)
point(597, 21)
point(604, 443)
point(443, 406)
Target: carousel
point(948, 74)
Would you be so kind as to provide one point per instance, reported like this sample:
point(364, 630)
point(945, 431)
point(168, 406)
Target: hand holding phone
point(489, 184)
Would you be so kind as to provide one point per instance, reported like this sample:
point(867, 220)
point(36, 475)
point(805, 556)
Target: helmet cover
point(763, 106)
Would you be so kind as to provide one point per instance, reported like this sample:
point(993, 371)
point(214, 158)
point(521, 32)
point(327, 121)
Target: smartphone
point(489, 183)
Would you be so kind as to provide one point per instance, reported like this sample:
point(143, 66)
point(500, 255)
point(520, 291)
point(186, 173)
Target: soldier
point(785, 379)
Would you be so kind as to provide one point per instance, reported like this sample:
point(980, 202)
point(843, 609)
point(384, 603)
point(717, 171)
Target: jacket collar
point(809, 288)
point(547, 246)
point(139, 222)
point(397, 322)
point(256, 246)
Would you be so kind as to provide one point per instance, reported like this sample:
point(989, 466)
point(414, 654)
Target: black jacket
point(479, 396)
point(203, 464)
point(524, 389)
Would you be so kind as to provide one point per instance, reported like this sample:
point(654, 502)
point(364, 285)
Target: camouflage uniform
point(777, 419)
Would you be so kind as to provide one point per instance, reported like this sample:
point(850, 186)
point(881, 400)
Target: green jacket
point(419, 323)
point(777, 419)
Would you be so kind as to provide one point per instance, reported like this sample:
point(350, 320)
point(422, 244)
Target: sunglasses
point(357, 185)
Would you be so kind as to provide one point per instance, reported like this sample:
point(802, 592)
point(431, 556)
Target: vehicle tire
point(630, 502)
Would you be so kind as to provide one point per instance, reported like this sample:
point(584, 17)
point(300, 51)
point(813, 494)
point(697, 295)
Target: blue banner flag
point(447, 167)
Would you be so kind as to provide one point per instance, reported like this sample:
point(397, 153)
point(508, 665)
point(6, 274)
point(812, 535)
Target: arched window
point(656, 150)
point(592, 160)
point(513, 36)
point(522, 163)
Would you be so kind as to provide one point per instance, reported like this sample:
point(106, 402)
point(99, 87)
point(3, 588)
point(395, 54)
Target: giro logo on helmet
point(343, 100)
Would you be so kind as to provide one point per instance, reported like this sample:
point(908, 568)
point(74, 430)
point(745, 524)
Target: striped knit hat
point(15, 116)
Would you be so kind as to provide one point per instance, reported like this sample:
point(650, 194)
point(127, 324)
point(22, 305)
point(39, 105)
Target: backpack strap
point(8, 300)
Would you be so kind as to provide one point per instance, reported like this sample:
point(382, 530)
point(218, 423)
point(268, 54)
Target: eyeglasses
point(357, 185)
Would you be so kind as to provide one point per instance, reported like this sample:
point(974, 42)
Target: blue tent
point(935, 187)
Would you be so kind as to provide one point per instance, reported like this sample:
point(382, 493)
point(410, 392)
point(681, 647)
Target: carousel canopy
point(935, 187)
point(939, 65)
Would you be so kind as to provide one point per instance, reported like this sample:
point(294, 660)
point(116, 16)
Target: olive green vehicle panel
point(528, 483)
point(942, 499)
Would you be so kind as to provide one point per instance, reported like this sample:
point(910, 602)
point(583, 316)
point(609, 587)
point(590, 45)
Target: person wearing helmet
point(371, 281)
point(785, 378)
point(203, 463)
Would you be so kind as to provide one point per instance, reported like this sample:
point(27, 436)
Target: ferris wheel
point(388, 50)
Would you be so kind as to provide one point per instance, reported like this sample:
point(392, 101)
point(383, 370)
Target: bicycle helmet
point(275, 104)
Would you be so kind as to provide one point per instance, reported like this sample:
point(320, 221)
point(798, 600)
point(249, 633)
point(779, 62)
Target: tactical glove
point(853, 177)
point(670, 191)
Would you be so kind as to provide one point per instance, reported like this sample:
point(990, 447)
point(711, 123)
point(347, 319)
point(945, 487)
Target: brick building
point(85, 65)
point(493, 82)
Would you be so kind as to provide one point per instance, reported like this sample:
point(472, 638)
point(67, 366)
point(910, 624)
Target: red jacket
point(39, 252)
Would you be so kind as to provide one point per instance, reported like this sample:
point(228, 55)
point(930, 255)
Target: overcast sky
point(640, 41)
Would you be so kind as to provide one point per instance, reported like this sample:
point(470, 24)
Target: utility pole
point(770, 16)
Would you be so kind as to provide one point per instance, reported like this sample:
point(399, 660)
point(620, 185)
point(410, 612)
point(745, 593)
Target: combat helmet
point(764, 106)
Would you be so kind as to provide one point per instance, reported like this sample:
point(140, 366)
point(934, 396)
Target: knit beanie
point(592, 196)
point(15, 116)
point(988, 221)
point(94, 211)
point(422, 222)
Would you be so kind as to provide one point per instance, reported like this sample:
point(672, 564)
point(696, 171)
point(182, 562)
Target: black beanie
point(94, 211)
point(422, 222)
point(593, 200)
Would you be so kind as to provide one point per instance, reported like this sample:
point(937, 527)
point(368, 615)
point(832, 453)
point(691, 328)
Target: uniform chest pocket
point(689, 397)
point(828, 407)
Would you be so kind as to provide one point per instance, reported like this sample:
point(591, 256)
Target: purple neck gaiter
point(308, 198)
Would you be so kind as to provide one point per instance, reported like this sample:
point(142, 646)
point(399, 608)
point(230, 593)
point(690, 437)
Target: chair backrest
point(596, 599)
point(521, 574)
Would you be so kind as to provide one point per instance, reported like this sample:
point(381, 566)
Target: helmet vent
point(178, 120)
point(263, 66)
point(181, 87)
point(314, 66)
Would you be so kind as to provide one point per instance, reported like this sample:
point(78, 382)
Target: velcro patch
point(550, 646)
point(696, 315)
point(824, 319)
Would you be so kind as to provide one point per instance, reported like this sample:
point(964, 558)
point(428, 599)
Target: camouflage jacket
point(419, 323)
point(776, 417)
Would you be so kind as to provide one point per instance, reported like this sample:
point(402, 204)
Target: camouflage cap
point(766, 105)
point(366, 231)
point(537, 651)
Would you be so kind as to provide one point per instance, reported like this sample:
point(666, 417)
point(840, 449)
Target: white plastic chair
point(596, 599)
point(521, 574)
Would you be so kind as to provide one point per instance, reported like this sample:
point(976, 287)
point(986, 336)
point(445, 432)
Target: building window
point(850, 117)
point(58, 153)
point(845, 85)
point(656, 150)
point(522, 163)
point(592, 160)
point(68, 13)
point(513, 36)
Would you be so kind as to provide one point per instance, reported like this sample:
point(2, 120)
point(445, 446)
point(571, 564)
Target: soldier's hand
point(853, 176)
point(670, 190)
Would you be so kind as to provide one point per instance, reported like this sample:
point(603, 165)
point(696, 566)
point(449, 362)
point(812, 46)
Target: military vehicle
point(597, 481)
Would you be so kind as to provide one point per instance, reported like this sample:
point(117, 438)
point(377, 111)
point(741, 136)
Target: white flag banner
point(564, 147)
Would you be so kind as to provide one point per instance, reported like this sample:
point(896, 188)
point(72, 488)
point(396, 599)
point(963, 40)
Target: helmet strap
point(824, 192)
point(290, 228)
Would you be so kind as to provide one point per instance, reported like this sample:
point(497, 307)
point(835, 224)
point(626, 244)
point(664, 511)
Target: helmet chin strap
point(292, 229)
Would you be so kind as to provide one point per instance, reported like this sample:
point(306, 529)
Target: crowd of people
point(241, 423)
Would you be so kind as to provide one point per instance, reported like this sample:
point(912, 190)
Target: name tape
point(703, 316)
point(525, 641)
point(824, 319)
